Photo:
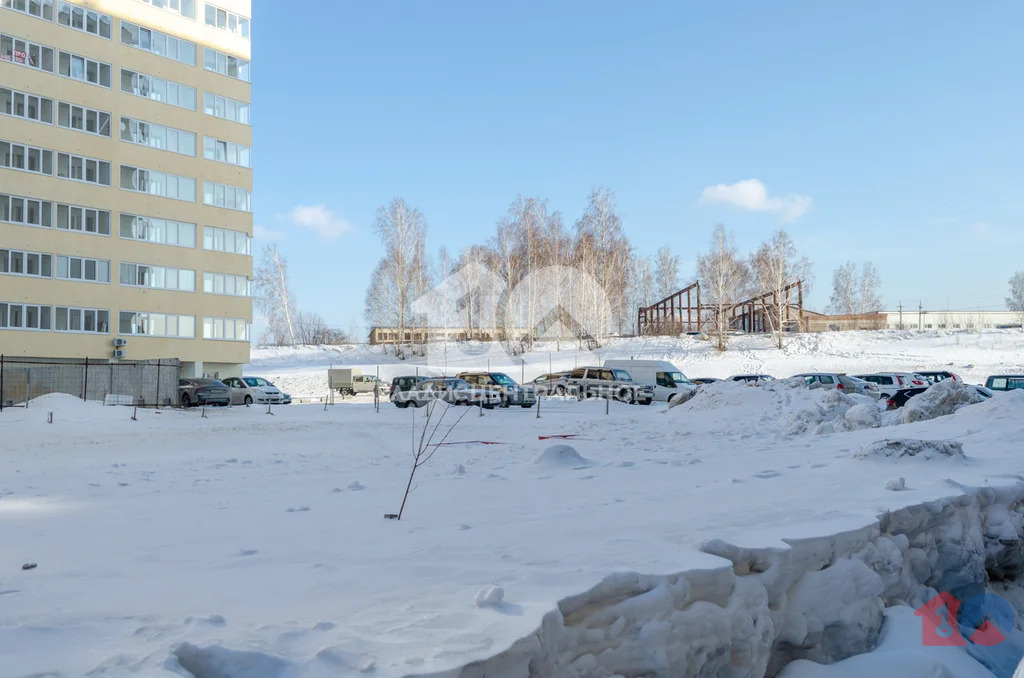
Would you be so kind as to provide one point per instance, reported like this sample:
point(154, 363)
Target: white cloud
point(320, 220)
point(267, 234)
point(752, 195)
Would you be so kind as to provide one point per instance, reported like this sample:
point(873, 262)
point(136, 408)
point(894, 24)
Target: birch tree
point(869, 301)
point(724, 280)
point(1015, 302)
point(853, 293)
point(402, 273)
point(666, 272)
point(776, 265)
point(604, 253)
point(274, 296)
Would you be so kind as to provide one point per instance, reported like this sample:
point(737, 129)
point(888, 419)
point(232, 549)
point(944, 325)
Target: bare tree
point(666, 272)
point(868, 288)
point(402, 273)
point(1015, 302)
point(603, 252)
point(775, 266)
point(724, 278)
point(852, 293)
point(641, 284)
point(274, 296)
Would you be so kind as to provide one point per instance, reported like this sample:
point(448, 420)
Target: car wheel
point(248, 399)
point(644, 402)
point(525, 406)
point(626, 396)
point(185, 400)
point(560, 391)
point(505, 401)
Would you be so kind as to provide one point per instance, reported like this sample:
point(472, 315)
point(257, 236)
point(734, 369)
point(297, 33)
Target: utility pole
point(920, 315)
point(901, 315)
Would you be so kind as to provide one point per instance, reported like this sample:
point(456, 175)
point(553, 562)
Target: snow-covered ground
point(730, 534)
point(302, 371)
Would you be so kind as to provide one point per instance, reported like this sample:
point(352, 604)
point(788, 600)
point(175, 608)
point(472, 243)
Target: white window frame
point(216, 195)
point(210, 106)
point(68, 259)
point(26, 97)
point(137, 223)
point(26, 56)
point(45, 207)
point(86, 14)
point(212, 281)
point(214, 234)
point(225, 20)
point(179, 7)
point(84, 166)
point(44, 261)
point(131, 271)
point(83, 219)
point(147, 86)
point(140, 182)
point(45, 158)
point(25, 7)
point(86, 61)
point(82, 315)
point(172, 46)
point(215, 329)
point(148, 318)
point(42, 311)
point(86, 112)
point(151, 135)
point(212, 149)
point(216, 61)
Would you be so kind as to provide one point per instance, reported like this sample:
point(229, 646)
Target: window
point(91, 320)
point(225, 283)
point(36, 264)
point(225, 64)
point(158, 43)
point(227, 151)
point(26, 53)
point(229, 329)
point(24, 316)
point(222, 195)
point(158, 89)
point(158, 136)
point(24, 105)
point(80, 168)
point(163, 231)
point(223, 240)
point(158, 277)
point(15, 209)
point(158, 183)
point(83, 219)
point(223, 107)
point(82, 19)
point(227, 21)
point(26, 158)
point(78, 268)
point(157, 324)
point(42, 9)
point(83, 119)
point(186, 8)
point(80, 68)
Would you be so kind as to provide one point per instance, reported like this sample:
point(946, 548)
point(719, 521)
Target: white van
point(666, 378)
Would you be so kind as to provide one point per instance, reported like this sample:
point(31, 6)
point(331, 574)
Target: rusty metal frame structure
point(671, 315)
point(752, 315)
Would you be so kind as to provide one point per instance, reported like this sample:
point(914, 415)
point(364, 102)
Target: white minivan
point(666, 379)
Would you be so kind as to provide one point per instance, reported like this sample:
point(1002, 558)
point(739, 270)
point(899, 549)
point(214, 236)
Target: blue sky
point(881, 131)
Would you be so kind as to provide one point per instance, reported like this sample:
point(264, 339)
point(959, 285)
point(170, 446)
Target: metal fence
point(124, 382)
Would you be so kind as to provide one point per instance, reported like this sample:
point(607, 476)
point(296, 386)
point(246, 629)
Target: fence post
point(1, 382)
point(159, 362)
point(85, 383)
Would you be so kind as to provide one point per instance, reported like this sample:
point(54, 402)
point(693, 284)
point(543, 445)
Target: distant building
point(950, 320)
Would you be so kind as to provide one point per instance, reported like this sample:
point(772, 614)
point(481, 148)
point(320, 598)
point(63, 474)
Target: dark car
point(203, 391)
point(752, 378)
point(1005, 382)
point(510, 392)
point(404, 385)
point(448, 390)
point(704, 381)
point(900, 397)
point(935, 376)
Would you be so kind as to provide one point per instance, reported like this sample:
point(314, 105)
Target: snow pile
point(491, 595)
point(945, 397)
point(562, 456)
point(902, 448)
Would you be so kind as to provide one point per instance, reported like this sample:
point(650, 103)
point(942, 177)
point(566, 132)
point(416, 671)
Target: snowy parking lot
point(248, 544)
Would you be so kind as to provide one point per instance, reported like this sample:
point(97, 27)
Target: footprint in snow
point(298, 509)
point(248, 552)
point(356, 486)
point(768, 474)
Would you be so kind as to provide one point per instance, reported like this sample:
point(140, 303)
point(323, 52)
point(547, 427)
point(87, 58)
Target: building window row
point(16, 262)
point(186, 8)
point(42, 9)
point(83, 269)
point(158, 43)
point(82, 219)
point(81, 168)
point(84, 69)
point(158, 89)
point(24, 316)
point(26, 158)
point(21, 211)
point(226, 108)
point(24, 105)
point(227, 21)
point(26, 53)
point(157, 136)
point(82, 119)
point(161, 231)
point(228, 284)
point(224, 240)
point(85, 20)
point(158, 277)
point(88, 320)
point(227, 151)
point(229, 197)
point(157, 324)
point(227, 329)
point(161, 184)
point(225, 64)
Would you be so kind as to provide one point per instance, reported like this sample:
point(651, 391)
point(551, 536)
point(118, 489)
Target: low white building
point(950, 319)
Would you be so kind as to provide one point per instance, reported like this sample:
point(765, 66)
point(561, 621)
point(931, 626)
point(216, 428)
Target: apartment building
point(126, 181)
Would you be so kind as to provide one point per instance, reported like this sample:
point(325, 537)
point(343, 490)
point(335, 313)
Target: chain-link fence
point(125, 382)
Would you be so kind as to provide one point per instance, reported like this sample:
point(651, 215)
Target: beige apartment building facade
point(126, 181)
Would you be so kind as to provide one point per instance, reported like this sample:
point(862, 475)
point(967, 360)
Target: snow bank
point(945, 397)
point(562, 456)
point(904, 448)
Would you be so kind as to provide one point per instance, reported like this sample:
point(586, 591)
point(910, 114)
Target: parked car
point(351, 380)
point(984, 392)
point(666, 379)
point(900, 397)
point(554, 383)
point(449, 390)
point(752, 378)
point(510, 392)
point(249, 390)
point(202, 391)
point(1005, 382)
point(839, 381)
point(704, 381)
point(400, 385)
point(936, 376)
point(889, 383)
point(607, 382)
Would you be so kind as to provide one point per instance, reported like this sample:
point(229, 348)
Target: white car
point(889, 383)
point(839, 381)
point(249, 390)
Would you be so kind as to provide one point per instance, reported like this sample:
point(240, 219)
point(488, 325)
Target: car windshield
point(457, 384)
point(252, 381)
point(622, 375)
point(502, 379)
point(679, 378)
